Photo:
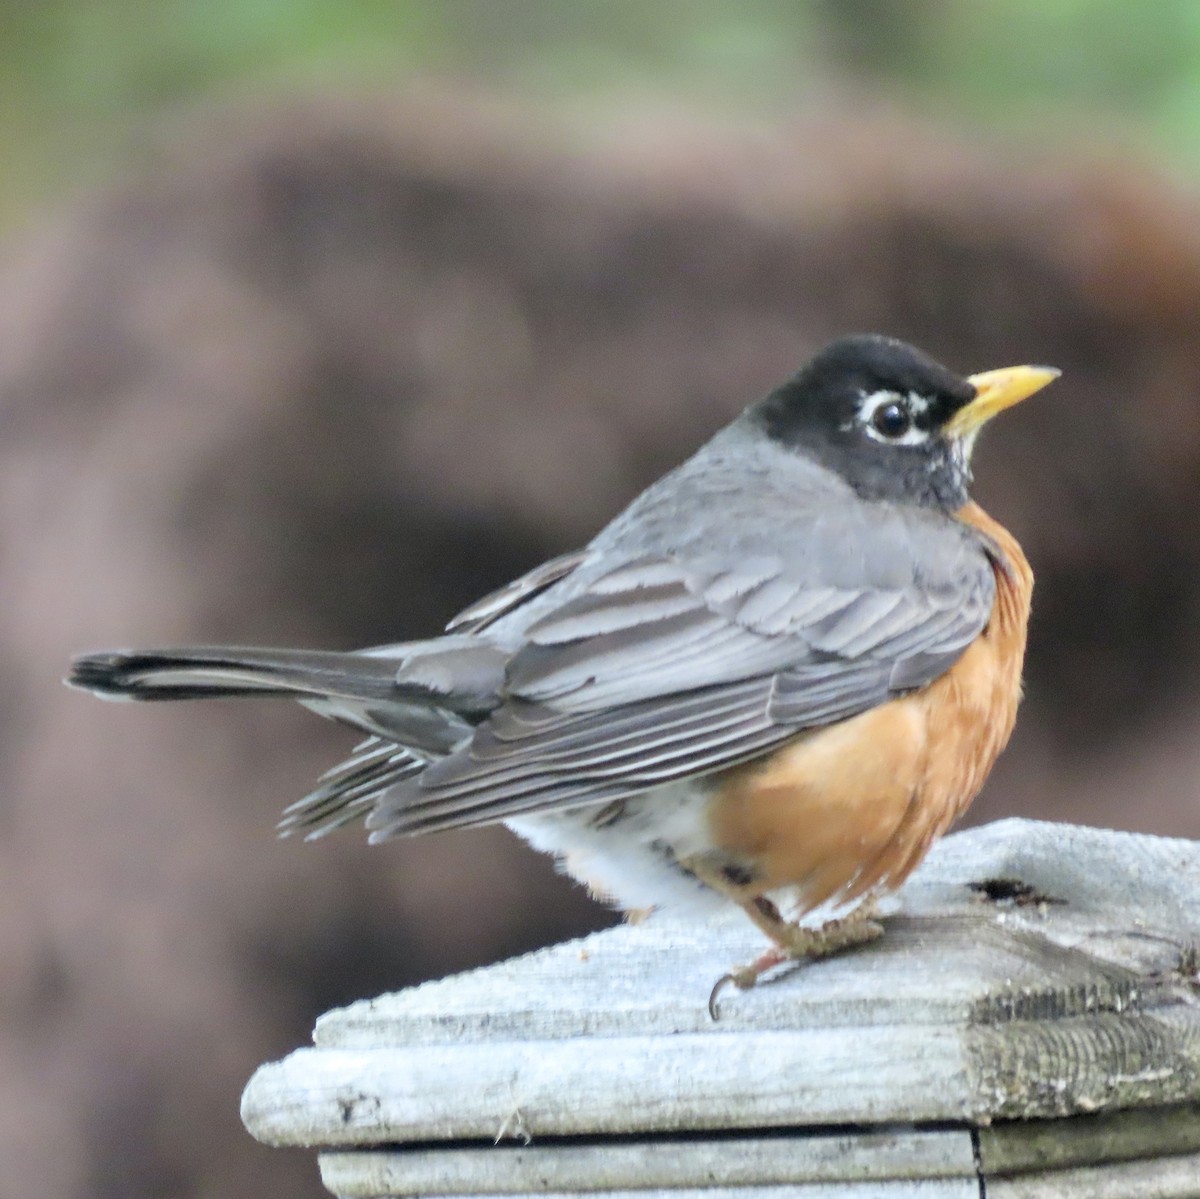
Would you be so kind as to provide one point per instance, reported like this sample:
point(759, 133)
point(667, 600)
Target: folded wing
point(664, 668)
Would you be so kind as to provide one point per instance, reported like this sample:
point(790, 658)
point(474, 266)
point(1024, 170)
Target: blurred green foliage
point(76, 76)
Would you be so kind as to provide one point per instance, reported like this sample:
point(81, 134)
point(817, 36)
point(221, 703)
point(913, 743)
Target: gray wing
point(664, 668)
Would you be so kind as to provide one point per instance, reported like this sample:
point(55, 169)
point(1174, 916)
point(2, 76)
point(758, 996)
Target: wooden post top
point(1033, 1006)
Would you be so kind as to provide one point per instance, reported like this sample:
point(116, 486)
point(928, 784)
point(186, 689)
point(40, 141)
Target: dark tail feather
point(223, 671)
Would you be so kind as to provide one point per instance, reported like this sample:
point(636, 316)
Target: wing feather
point(594, 774)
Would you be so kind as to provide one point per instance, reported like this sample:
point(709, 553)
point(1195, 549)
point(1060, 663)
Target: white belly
point(631, 862)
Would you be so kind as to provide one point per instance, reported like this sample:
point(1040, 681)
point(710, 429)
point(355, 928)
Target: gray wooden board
point(1035, 1146)
point(899, 1156)
point(1075, 1000)
point(617, 1086)
point(938, 1189)
point(1146, 1143)
point(1166, 1178)
point(1076, 994)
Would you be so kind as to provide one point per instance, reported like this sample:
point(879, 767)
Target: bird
point(773, 680)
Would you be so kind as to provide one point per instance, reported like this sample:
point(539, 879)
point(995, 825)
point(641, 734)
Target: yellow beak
point(995, 391)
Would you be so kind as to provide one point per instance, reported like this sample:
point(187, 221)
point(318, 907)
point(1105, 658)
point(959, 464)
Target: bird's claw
point(744, 977)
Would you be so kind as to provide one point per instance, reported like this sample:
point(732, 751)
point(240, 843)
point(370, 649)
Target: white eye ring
point(912, 404)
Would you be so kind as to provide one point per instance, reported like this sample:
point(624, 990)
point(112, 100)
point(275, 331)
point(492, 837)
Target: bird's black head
point(890, 420)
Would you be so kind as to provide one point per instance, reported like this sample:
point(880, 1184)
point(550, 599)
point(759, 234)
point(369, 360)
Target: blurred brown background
point(300, 346)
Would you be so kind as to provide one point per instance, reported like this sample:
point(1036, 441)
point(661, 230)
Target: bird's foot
point(794, 942)
point(858, 928)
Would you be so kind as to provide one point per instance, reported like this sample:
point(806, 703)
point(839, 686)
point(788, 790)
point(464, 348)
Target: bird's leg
point(791, 941)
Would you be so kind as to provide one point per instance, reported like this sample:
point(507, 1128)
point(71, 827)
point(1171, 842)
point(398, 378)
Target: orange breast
point(858, 804)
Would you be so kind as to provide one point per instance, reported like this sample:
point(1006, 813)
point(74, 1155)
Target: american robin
point(775, 678)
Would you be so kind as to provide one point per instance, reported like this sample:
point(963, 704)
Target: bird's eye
point(892, 420)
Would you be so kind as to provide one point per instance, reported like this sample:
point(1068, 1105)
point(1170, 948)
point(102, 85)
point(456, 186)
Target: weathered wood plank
point(947, 967)
point(1071, 945)
point(938, 1189)
point(1041, 1145)
point(1165, 1178)
point(614, 1085)
point(901, 1156)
